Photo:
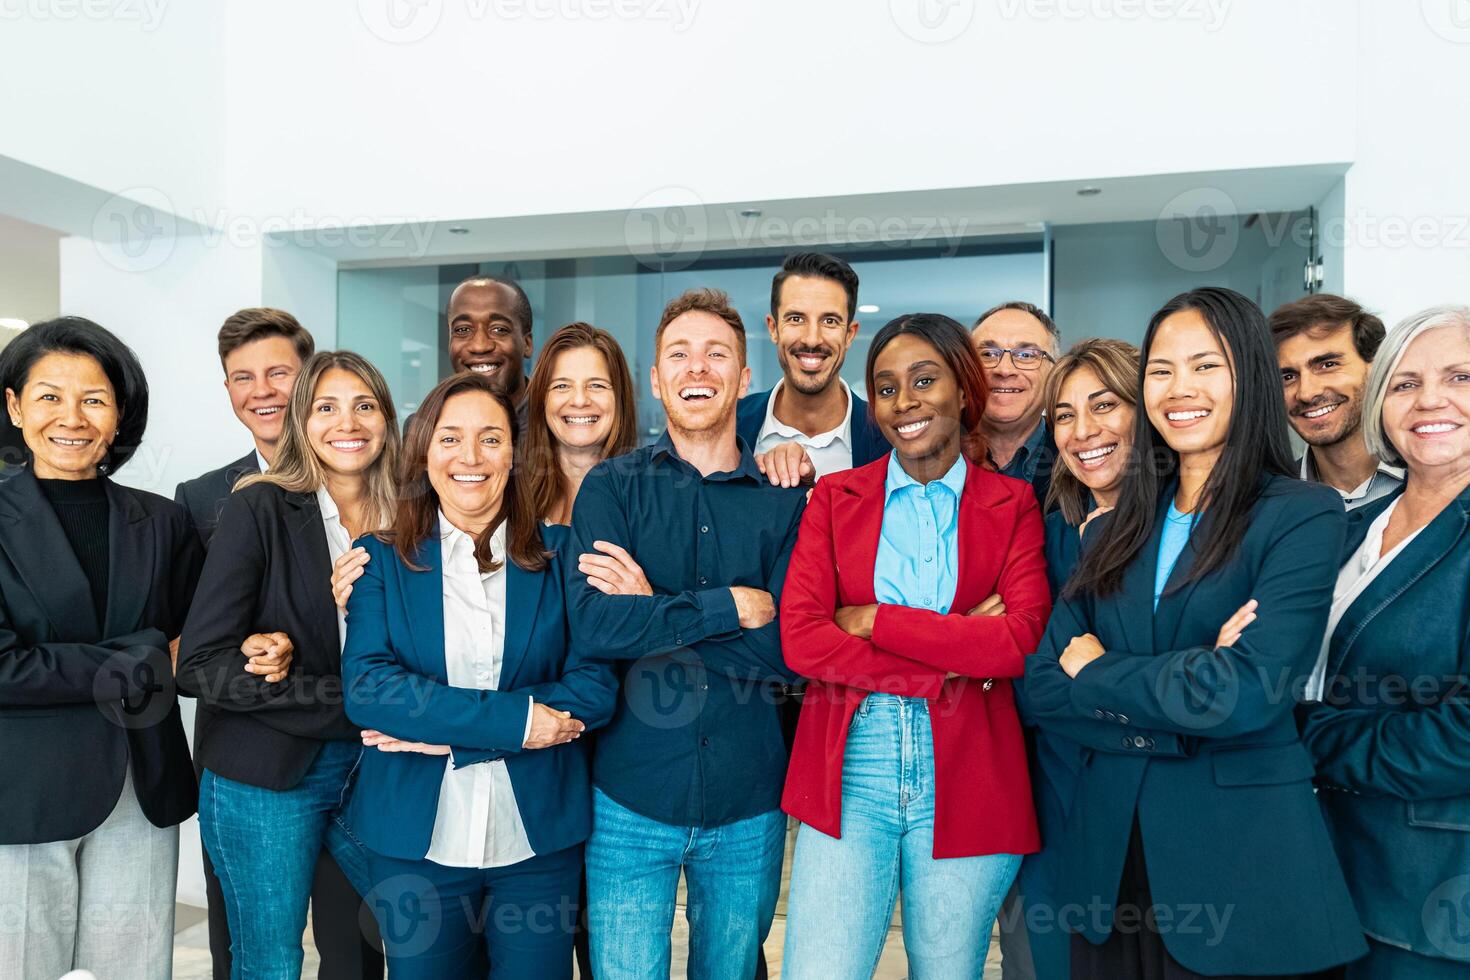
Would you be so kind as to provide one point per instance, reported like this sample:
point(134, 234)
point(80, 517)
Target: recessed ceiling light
point(867, 308)
point(13, 323)
point(1088, 191)
point(458, 230)
point(751, 213)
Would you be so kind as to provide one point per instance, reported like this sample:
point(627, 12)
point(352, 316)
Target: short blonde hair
point(1390, 353)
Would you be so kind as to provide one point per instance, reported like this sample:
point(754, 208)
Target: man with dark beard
point(813, 305)
point(1325, 345)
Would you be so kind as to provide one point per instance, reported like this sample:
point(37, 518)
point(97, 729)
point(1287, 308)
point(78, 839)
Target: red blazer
point(982, 792)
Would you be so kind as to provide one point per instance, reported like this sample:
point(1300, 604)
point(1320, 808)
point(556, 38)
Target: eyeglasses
point(1024, 358)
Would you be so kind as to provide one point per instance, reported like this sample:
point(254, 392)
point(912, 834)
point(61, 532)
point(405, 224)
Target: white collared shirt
point(339, 542)
point(478, 824)
point(831, 451)
point(260, 462)
point(1380, 483)
point(1366, 564)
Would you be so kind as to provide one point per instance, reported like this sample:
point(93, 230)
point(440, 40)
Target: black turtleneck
point(81, 507)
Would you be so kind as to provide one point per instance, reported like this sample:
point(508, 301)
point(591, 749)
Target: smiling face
point(1015, 395)
point(1426, 411)
point(1323, 379)
point(811, 332)
point(259, 376)
point(917, 400)
point(68, 413)
point(1093, 427)
point(486, 336)
point(581, 405)
point(1188, 386)
point(346, 428)
point(698, 375)
point(469, 459)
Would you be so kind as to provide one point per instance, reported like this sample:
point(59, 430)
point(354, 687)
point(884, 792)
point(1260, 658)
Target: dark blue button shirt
point(695, 740)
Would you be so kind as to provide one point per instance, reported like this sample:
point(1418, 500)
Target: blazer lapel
point(1177, 591)
point(130, 561)
point(857, 521)
point(423, 599)
point(38, 548)
point(522, 600)
point(1133, 604)
point(309, 546)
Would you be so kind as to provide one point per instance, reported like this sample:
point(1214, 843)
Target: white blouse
point(1356, 575)
point(339, 542)
point(478, 824)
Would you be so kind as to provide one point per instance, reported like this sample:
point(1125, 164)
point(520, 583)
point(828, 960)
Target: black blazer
point(79, 698)
point(1200, 745)
point(268, 569)
point(864, 436)
point(204, 496)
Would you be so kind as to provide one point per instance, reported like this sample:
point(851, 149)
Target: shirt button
point(1098, 714)
point(703, 580)
point(928, 558)
point(1139, 741)
point(1122, 719)
point(704, 742)
point(1127, 742)
point(704, 529)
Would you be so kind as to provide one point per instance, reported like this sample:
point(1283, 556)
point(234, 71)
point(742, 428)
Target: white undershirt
point(339, 542)
point(1356, 575)
point(478, 824)
point(830, 451)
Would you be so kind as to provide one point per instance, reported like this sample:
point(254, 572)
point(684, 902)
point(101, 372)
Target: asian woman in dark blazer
point(1194, 845)
point(274, 741)
point(95, 580)
point(1388, 714)
point(473, 799)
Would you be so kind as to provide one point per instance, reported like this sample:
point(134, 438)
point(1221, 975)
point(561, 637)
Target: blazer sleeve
point(815, 646)
point(211, 665)
point(123, 668)
point(1225, 692)
point(1044, 695)
point(185, 567)
point(981, 646)
point(383, 694)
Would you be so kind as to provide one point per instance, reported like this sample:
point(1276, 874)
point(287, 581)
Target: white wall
point(30, 273)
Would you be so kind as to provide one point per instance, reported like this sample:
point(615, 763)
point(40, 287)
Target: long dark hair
point(1256, 445)
point(536, 454)
point(418, 507)
point(947, 337)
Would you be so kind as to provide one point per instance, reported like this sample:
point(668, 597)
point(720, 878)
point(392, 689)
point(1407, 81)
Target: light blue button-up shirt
point(919, 546)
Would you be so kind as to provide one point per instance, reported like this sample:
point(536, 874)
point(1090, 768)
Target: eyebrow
point(89, 391)
point(467, 316)
point(839, 315)
point(458, 428)
point(1330, 356)
point(595, 377)
point(1191, 357)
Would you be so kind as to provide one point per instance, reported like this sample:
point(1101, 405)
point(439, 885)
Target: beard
point(809, 384)
point(1349, 418)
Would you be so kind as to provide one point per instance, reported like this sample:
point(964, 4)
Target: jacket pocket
point(1447, 814)
point(1262, 765)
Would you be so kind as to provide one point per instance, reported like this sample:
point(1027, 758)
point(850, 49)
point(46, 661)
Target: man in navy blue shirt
point(683, 550)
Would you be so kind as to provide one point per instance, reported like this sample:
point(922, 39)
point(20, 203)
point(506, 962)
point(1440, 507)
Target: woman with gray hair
point(1388, 712)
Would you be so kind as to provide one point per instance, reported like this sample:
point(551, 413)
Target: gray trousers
point(104, 902)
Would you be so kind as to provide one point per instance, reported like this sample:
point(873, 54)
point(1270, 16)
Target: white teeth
point(1097, 453)
point(1317, 413)
point(696, 393)
point(1005, 391)
point(581, 419)
point(70, 442)
point(482, 368)
point(468, 477)
point(270, 410)
point(1185, 416)
point(913, 426)
point(348, 443)
point(1435, 427)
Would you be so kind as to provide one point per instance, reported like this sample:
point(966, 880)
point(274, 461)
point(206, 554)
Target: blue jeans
point(442, 923)
point(733, 874)
point(264, 845)
point(843, 890)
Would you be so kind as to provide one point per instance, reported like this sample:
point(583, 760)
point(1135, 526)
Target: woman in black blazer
point(1388, 718)
point(1194, 845)
point(95, 579)
point(274, 742)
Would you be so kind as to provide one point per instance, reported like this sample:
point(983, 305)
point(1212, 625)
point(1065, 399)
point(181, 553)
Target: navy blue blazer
point(1391, 739)
point(1200, 744)
point(865, 438)
point(397, 682)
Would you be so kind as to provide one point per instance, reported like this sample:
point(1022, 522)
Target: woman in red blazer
point(916, 590)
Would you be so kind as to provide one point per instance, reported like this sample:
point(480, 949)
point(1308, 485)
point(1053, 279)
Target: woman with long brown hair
point(458, 664)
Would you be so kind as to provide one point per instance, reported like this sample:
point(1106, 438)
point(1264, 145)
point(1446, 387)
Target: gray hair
point(1390, 353)
point(1052, 330)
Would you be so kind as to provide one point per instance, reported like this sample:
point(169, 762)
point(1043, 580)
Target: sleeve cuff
point(530, 714)
point(720, 614)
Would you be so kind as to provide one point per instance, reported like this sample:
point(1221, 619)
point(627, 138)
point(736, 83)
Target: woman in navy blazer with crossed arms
point(476, 802)
point(1194, 845)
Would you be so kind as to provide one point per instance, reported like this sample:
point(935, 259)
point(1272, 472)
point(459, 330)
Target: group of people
point(1064, 640)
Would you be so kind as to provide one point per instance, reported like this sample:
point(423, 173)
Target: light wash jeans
point(633, 862)
point(843, 891)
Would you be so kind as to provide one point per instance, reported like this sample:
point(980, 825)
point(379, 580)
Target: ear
point(12, 405)
point(653, 382)
point(771, 327)
point(744, 381)
point(852, 332)
point(527, 345)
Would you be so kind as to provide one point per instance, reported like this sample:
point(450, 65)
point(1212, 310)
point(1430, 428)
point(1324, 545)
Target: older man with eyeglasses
point(1018, 344)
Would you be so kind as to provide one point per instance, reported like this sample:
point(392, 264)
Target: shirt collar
point(327, 505)
point(1027, 455)
point(819, 441)
point(452, 540)
point(898, 478)
point(1309, 473)
point(260, 462)
point(664, 449)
